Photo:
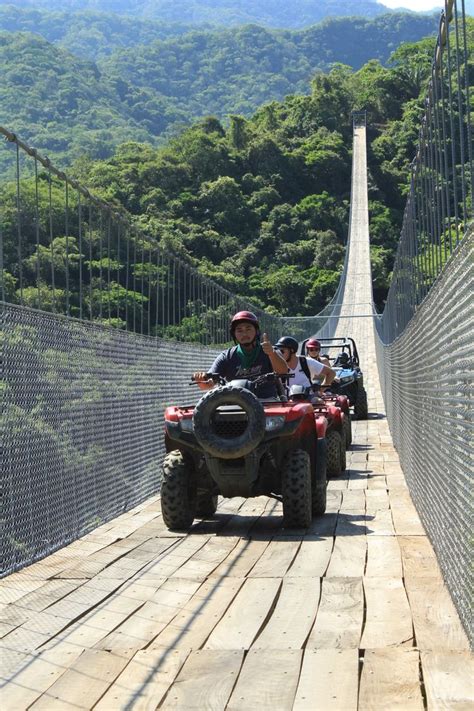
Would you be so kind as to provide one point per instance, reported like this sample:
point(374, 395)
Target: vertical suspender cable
point(37, 231)
point(18, 224)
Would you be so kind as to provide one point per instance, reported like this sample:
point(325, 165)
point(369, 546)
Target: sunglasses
point(314, 349)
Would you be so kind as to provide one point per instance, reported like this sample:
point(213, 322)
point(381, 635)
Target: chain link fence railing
point(82, 425)
point(427, 383)
point(425, 344)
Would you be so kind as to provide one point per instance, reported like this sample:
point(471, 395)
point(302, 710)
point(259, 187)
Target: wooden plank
point(390, 680)
point(383, 557)
point(50, 592)
point(243, 620)
point(376, 499)
point(205, 681)
point(380, 523)
point(293, 616)
point(140, 628)
point(322, 526)
point(340, 615)
point(329, 680)
point(406, 521)
point(418, 557)
point(275, 560)
point(333, 501)
point(191, 627)
point(436, 622)
point(144, 681)
point(353, 499)
point(448, 678)
point(388, 616)
point(352, 523)
point(312, 559)
point(83, 683)
point(206, 559)
point(241, 559)
point(348, 557)
point(268, 681)
point(35, 676)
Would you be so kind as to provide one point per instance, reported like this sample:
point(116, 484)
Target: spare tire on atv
point(228, 445)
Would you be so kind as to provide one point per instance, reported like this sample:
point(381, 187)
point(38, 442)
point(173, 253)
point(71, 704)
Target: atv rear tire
point(343, 453)
point(334, 459)
point(319, 483)
point(296, 489)
point(361, 409)
point(347, 429)
point(223, 447)
point(178, 492)
point(319, 500)
point(206, 505)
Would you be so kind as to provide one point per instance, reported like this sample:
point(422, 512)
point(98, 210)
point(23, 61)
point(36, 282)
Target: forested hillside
point(262, 205)
point(272, 13)
point(67, 106)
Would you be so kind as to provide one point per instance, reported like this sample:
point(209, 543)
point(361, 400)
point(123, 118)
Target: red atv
point(331, 410)
point(233, 444)
point(342, 402)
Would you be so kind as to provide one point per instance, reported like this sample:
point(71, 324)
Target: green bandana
point(248, 359)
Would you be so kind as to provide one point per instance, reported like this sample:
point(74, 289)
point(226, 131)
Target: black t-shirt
point(228, 364)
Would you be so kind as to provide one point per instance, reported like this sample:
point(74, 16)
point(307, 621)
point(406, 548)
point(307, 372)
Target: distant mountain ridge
point(69, 107)
point(270, 13)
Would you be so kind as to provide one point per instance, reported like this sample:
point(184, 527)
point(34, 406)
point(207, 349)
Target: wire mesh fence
point(425, 341)
point(427, 383)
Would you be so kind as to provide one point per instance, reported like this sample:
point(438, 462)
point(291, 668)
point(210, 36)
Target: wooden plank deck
point(351, 613)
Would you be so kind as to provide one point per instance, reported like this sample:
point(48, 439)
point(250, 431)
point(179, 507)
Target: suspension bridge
point(369, 608)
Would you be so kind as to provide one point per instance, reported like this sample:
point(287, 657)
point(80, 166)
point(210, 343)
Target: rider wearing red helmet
point(249, 357)
point(313, 350)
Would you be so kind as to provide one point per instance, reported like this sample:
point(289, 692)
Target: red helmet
point(313, 343)
point(244, 316)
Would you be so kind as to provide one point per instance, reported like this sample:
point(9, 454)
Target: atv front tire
point(178, 492)
point(361, 409)
point(296, 489)
point(206, 505)
point(347, 429)
point(334, 458)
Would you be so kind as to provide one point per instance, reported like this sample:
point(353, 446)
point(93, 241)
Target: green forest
point(260, 204)
point(271, 13)
point(76, 87)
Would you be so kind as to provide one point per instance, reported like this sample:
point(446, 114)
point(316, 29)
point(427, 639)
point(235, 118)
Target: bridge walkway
point(351, 613)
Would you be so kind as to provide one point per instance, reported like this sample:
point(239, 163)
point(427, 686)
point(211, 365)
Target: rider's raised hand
point(266, 345)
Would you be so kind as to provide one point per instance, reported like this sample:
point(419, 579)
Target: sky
point(417, 5)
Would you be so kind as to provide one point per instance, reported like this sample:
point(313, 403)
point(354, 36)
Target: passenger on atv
point(305, 370)
point(249, 358)
point(313, 350)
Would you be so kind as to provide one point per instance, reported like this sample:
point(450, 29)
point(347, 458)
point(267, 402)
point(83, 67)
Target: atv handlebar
point(255, 379)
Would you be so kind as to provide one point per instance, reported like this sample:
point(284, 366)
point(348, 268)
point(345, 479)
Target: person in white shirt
point(305, 370)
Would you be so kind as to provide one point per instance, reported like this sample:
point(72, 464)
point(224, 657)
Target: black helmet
point(287, 342)
point(342, 358)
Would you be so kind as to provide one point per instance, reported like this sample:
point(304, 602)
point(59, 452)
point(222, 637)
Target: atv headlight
point(347, 379)
point(187, 424)
point(274, 423)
